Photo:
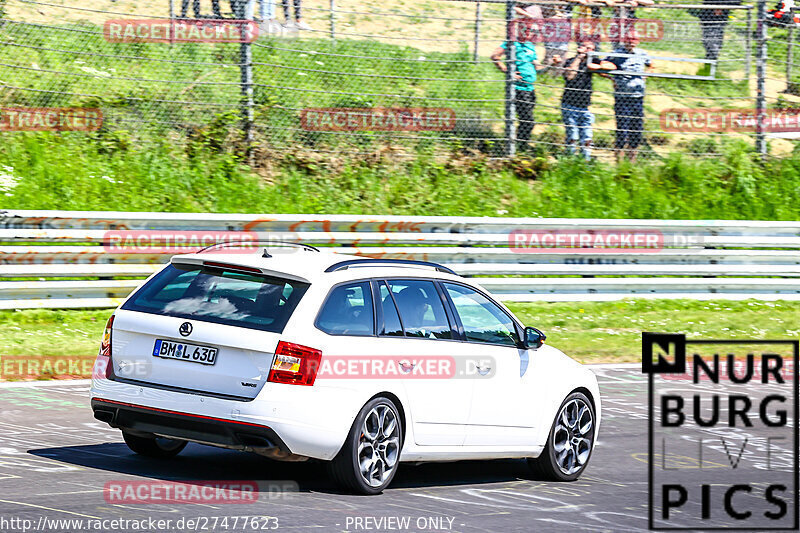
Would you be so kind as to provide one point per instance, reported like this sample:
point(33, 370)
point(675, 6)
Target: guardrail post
point(511, 70)
point(761, 61)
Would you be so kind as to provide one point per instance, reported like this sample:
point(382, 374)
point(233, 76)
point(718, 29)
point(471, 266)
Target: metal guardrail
point(120, 220)
point(61, 259)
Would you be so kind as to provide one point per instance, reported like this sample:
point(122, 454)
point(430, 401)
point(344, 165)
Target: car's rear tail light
point(105, 346)
point(295, 364)
point(102, 365)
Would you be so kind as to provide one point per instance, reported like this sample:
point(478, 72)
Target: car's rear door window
point(348, 310)
point(221, 295)
point(391, 320)
point(421, 309)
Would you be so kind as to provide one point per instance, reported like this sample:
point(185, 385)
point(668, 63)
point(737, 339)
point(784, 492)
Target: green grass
point(594, 332)
point(51, 332)
point(64, 171)
point(590, 332)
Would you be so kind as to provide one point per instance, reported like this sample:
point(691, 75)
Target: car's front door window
point(482, 319)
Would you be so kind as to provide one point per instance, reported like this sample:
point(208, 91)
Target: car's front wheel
point(570, 442)
point(368, 461)
point(158, 447)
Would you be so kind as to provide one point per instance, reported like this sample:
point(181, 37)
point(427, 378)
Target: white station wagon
point(295, 353)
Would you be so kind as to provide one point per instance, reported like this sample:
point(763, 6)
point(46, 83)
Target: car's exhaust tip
point(105, 415)
point(266, 448)
point(255, 441)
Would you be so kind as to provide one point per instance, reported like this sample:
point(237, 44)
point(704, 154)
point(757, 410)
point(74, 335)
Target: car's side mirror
point(534, 338)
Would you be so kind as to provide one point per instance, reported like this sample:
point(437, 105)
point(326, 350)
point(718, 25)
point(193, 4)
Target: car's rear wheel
point(159, 447)
point(368, 461)
point(570, 442)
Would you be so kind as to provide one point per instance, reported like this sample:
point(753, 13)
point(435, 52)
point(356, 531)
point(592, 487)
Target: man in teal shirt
point(526, 64)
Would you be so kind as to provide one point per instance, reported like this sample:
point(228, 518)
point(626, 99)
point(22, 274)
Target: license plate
point(205, 355)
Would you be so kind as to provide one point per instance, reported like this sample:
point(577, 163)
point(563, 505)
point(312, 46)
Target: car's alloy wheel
point(570, 442)
point(368, 460)
point(379, 445)
point(159, 447)
point(572, 437)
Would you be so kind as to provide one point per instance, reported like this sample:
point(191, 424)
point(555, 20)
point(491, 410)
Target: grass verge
point(52, 171)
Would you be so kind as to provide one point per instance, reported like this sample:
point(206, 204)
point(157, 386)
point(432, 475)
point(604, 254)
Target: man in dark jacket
point(577, 97)
point(712, 25)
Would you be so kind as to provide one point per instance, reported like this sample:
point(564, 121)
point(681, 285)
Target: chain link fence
point(557, 79)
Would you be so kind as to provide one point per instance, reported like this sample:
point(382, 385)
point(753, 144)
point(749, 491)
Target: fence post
point(477, 30)
point(171, 22)
point(333, 20)
point(246, 12)
point(748, 44)
point(790, 86)
point(511, 69)
point(761, 60)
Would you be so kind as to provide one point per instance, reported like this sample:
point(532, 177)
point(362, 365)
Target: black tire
point(158, 447)
point(546, 466)
point(346, 467)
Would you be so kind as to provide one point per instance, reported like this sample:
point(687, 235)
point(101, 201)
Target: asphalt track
point(55, 460)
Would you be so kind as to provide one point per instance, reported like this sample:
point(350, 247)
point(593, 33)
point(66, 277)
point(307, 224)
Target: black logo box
point(678, 366)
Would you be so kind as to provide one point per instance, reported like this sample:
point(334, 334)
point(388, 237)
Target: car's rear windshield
point(220, 295)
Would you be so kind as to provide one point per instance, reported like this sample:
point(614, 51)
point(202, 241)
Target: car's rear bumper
point(186, 426)
point(297, 420)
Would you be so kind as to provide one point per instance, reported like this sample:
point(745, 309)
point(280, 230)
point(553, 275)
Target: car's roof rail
point(342, 265)
point(260, 243)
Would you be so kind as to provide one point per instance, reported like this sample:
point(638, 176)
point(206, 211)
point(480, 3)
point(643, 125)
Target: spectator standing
point(196, 8)
point(712, 26)
point(530, 19)
point(525, 66)
point(269, 24)
point(554, 48)
point(629, 90)
point(298, 17)
point(577, 97)
point(185, 8)
point(528, 11)
point(586, 14)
